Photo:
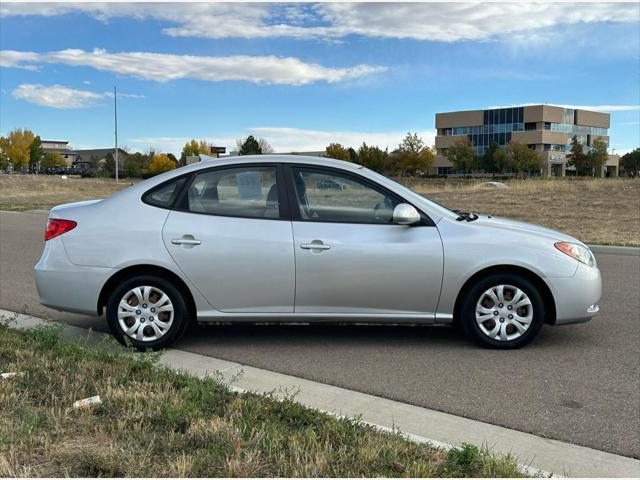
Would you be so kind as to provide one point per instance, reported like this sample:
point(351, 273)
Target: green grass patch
point(155, 422)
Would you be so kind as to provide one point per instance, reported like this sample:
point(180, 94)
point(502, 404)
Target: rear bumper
point(67, 287)
point(577, 297)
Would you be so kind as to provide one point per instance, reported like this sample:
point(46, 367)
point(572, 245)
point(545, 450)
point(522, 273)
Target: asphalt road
point(577, 383)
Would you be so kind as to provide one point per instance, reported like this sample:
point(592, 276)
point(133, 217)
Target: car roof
point(277, 158)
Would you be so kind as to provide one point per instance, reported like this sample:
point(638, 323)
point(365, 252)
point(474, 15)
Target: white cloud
point(422, 21)
point(596, 108)
point(288, 139)
point(60, 96)
point(162, 67)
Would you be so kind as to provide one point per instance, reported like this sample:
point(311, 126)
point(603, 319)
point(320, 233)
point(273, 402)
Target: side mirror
point(405, 214)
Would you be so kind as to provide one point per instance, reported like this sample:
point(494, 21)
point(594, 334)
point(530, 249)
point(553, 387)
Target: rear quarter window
point(164, 195)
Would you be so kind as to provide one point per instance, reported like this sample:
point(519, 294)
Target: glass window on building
point(530, 126)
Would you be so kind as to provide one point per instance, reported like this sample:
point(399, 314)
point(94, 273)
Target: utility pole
point(115, 121)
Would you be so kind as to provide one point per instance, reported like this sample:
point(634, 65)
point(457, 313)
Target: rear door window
point(250, 192)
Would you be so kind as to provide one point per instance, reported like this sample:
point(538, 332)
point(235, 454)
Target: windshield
point(401, 188)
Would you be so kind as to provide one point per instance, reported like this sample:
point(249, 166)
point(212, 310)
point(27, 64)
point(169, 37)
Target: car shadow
point(258, 336)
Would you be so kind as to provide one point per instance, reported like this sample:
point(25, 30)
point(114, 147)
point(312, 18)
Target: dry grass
point(597, 211)
point(34, 192)
point(154, 422)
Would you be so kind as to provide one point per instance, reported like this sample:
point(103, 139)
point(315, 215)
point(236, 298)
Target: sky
point(302, 75)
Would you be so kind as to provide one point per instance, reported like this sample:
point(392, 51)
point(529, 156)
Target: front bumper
point(64, 286)
point(577, 297)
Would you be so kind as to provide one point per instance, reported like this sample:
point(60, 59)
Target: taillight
point(58, 226)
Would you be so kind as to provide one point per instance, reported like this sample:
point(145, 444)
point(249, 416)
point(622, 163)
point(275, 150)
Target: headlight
point(580, 253)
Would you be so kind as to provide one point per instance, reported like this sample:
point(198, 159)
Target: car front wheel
point(503, 311)
point(147, 312)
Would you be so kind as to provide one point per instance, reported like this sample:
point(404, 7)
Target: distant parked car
point(247, 239)
point(331, 183)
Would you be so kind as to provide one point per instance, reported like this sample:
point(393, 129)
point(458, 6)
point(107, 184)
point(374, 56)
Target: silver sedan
point(259, 239)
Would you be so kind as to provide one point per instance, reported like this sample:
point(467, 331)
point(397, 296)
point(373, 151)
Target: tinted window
point(164, 195)
point(239, 192)
point(327, 196)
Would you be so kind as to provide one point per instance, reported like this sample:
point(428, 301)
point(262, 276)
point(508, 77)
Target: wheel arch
point(134, 270)
point(545, 291)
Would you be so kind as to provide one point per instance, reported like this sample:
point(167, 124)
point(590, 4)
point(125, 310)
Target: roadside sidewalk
point(544, 456)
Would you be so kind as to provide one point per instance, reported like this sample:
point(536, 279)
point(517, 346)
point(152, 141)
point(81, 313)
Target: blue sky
point(302, 75)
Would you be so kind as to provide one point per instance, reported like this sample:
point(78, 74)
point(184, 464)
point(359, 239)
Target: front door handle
point(315, 245)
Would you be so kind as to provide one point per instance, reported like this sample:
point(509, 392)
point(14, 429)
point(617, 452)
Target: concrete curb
point(615, 250)
point(538, 455)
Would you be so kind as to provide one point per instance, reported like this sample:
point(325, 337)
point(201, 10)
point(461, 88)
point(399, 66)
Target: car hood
point(523, 227)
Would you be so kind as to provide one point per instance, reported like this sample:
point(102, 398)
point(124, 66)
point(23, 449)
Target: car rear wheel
point(147, 312)
point(503, 311)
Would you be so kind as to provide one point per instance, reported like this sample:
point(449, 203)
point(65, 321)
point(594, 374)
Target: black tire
point(473, 296)
point(181, 314)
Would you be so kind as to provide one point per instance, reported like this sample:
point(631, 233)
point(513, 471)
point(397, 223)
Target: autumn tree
point(461, 154)
point(161, 163)
point(598, 156)
point(193, 148)
point(373, 158)
point(412, 155)
point(18, 142)
point(52, 160)
point(337, 151)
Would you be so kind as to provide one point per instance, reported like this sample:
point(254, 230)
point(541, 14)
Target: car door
point(230, 233)
point(350, 257)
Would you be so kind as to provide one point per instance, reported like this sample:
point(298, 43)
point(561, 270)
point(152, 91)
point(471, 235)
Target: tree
point(18, 142)
point(353, 155)
point(131, 167)
point(265, 147)
point(194, 148)
point(53, 160)
point(631, 162)
point(337, 151)
point(501, 160)
point(461, 154)
point(598, 156)
point(35, 153)
point(520, 158)
point(4, 160)
point(373, 158)
point(249, 146)
point(412, 155)
point(578, 158)
point(108, 169)
point(488, 162)
point(161, 163)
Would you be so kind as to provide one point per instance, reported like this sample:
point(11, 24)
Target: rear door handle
point(185, 241)
point(315, 245)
